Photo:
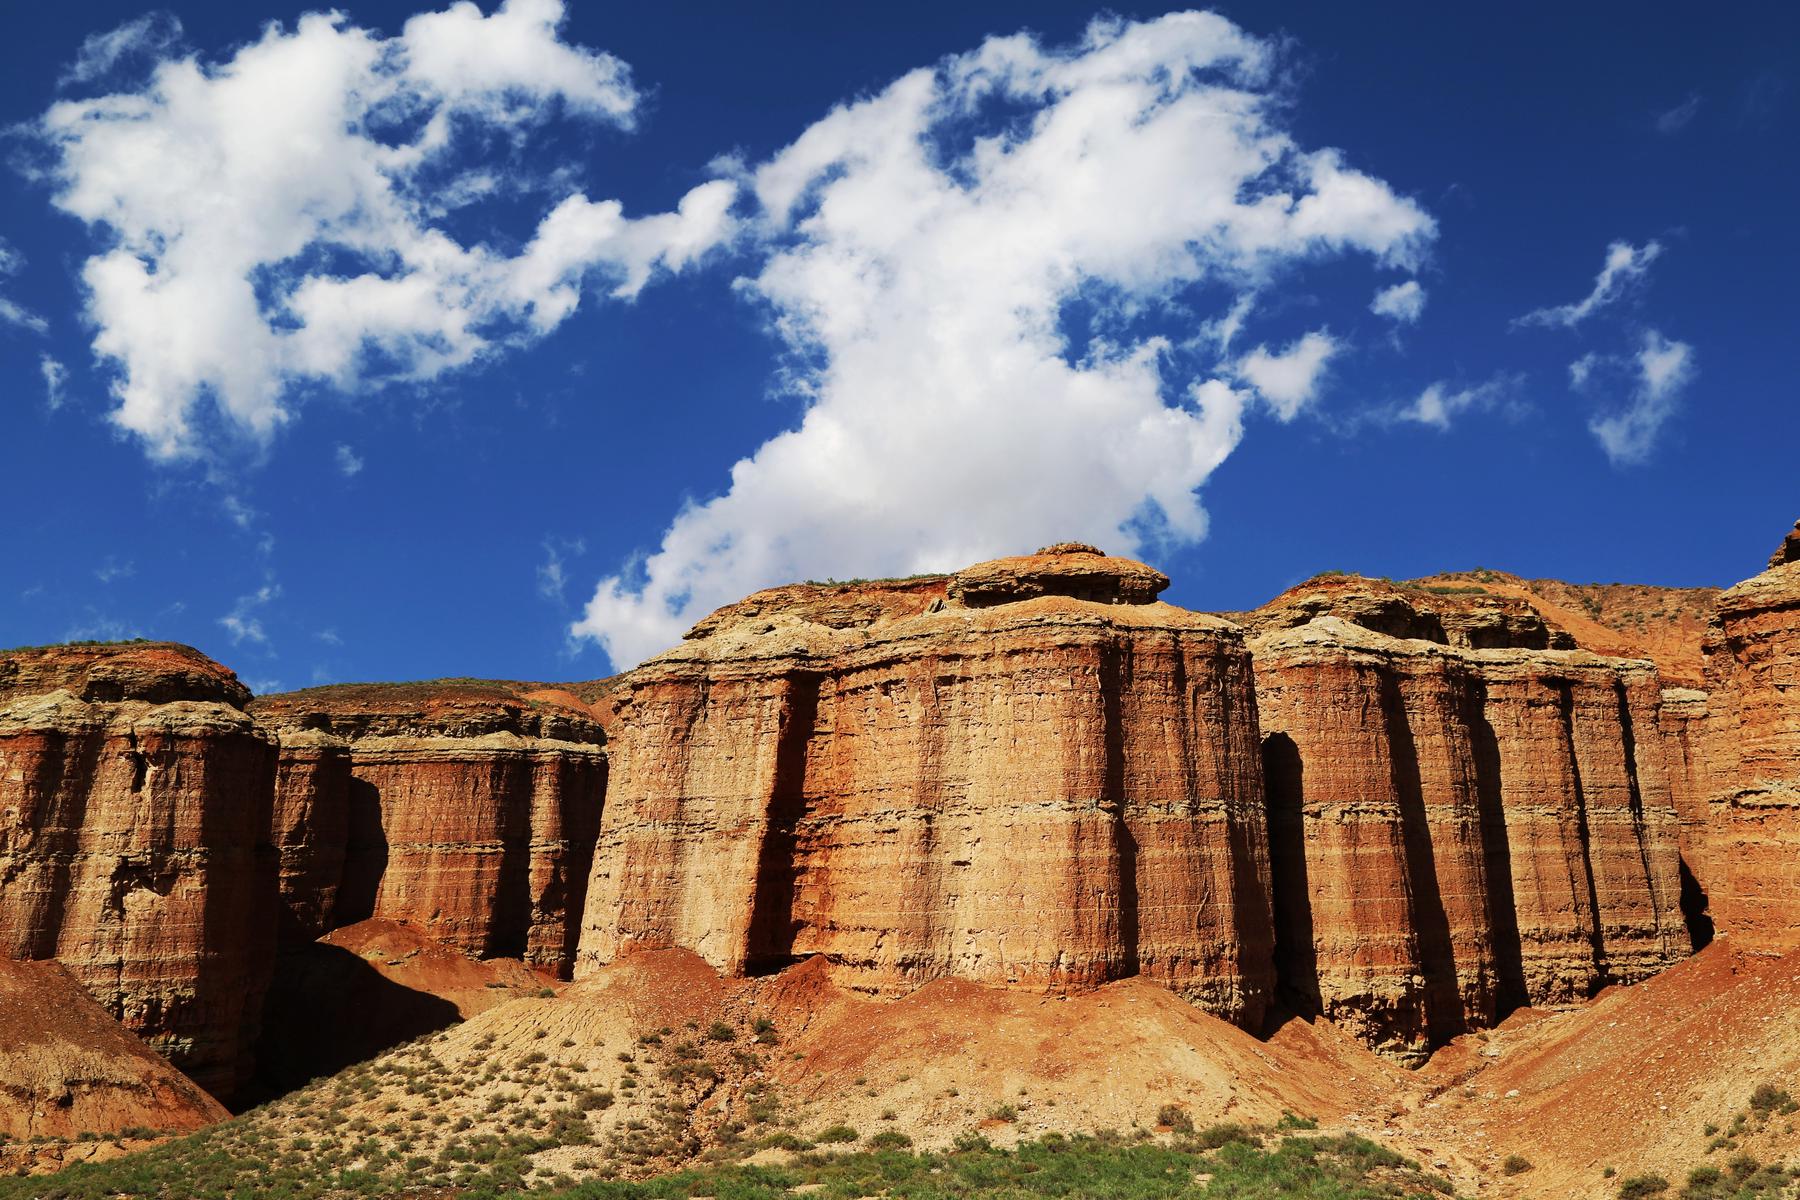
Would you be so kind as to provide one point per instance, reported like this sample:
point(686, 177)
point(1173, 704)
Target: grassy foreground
point(1225, 1163)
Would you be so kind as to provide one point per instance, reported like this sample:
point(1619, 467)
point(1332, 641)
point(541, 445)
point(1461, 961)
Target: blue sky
point(506, 341)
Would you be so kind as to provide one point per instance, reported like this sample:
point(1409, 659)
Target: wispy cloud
point(1674, 120)
point(1440, 404)
point(1625, 268)
point(112, 570)
point(12, 312)
point(148, 36)
point(1660, 371)
point(349, 463)
point(243, 623)
point(56, 381)
point(552, 574)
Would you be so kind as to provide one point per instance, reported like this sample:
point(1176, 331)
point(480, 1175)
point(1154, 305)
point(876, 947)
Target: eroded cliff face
point(134, 814)
point(467, 809)
point(1030, 773)
point(1457, 827)
point(1753, 828)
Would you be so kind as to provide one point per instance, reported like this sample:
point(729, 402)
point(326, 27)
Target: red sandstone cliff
point(1456, 831)
point(1752, 872)
point(134, 813)
point(463, 807)
point(1028, 773)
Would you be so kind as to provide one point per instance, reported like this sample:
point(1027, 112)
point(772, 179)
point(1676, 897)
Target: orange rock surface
point(134, 813)
point(1753, 666)
point(1624, 620)
point(1049, 792)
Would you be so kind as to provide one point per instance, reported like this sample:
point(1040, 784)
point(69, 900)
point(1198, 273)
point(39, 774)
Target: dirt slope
point(1630, 1081)
point(66, 1067)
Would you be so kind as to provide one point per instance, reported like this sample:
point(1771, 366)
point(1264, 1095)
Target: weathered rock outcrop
point(1691, 759)
point(1788, 551)
point(134, 815)
point(68, 1068)
point(1456, 831)
point(1035, 775)
point(468, 809)
point(1621, 620)
point(1752, 870)
point(1464, 616)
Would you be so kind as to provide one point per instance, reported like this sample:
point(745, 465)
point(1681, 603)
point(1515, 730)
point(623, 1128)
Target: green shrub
point(836, 1133)
point(1515, 1164)
point(1767, 1098)
point(1640, 1186)
point(1175, 1117)
point(1742, 1166)
point(1215, 1136)
point(1293, 1121)
point(1003, 1112)
point(889, 1139)
point(719, 1031)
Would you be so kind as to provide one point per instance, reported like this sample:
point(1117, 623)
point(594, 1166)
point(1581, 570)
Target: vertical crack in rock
point(1587, 919)
point(771, 936)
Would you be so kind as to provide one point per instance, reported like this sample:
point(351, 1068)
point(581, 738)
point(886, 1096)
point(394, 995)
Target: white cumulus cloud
point(921, 251)
point(1625, 267)
point(276, 218)
point(1404, 302)
point(1660, 371)
point(349, 462)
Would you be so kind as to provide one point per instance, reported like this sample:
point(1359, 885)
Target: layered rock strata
point(135, 800)
point(467, 809)
point(1036, 776)
point(1753, 667)
point(1456, 831)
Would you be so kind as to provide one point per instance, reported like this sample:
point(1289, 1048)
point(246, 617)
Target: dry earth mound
point(1642, 1080)
point(67, 1068)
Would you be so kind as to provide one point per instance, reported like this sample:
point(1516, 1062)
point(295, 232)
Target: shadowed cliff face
point(468, 809)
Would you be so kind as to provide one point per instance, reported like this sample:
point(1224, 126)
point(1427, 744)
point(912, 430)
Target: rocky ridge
point(1410, 808)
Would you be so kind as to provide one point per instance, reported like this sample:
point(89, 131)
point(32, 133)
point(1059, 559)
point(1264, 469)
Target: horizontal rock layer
point(1457, 832)
point(1751, 870)
point(1049, 793)
point(469, 810)
point(134, 847)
